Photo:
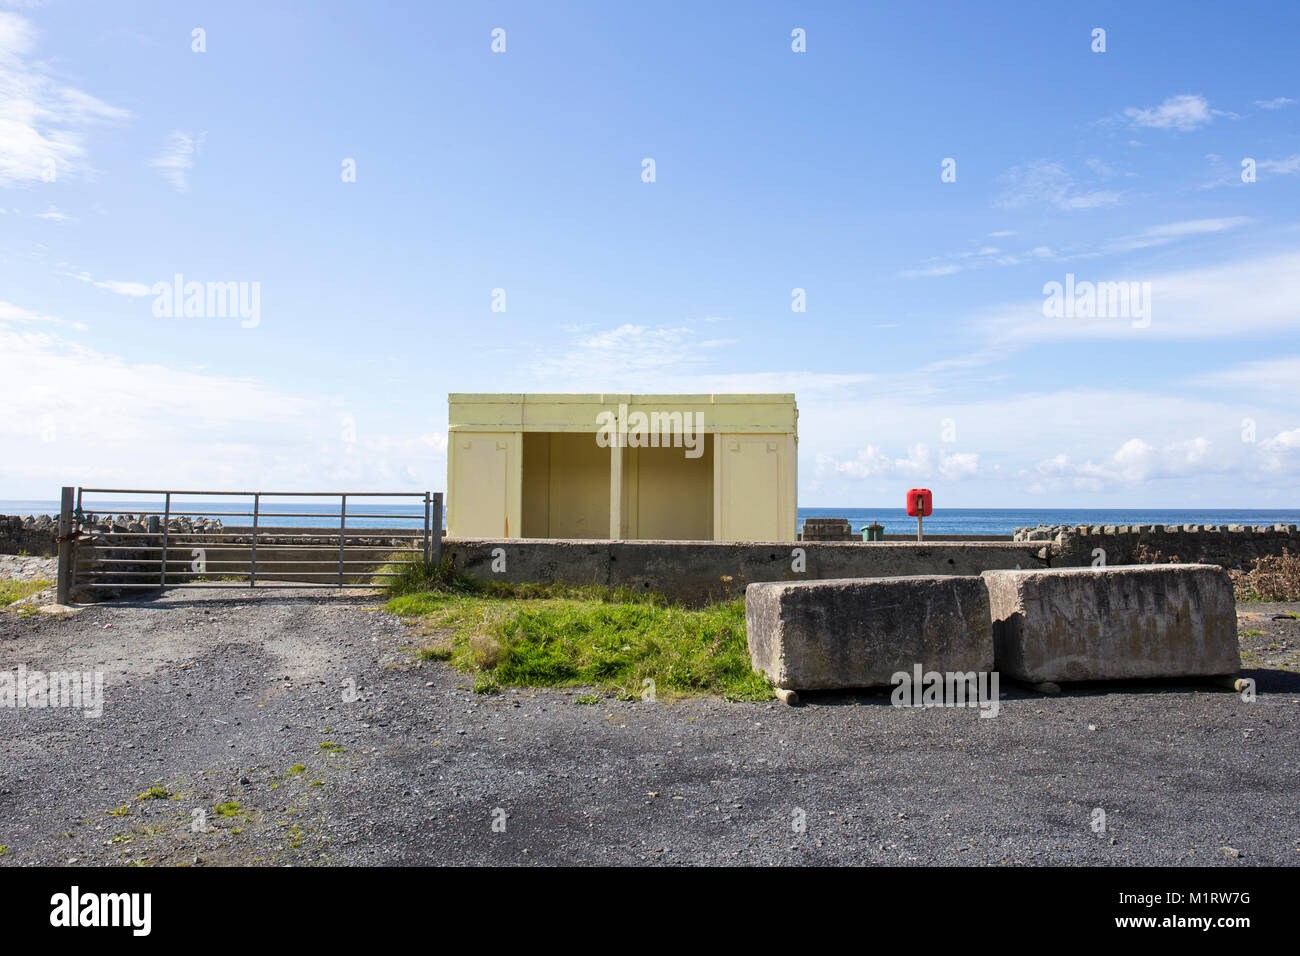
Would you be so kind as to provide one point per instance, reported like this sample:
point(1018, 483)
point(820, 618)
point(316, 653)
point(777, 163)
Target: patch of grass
point(562, 636)
point(11, 591)
point(4, 851)
point(414, 575)
point(230, 809)
point(296, 769)
point(1250, 633)
point(426, 584)
point(588, 699)
point(155, 793)
point(120, 811)
point(331, 747)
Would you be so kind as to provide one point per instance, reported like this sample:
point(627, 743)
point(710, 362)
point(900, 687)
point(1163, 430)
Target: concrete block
point(843, 633)
point(1139, 621)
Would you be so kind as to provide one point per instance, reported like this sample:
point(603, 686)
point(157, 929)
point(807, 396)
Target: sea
point(378, 513)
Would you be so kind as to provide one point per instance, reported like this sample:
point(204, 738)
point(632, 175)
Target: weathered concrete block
point(1072, 624)
point(841, 633)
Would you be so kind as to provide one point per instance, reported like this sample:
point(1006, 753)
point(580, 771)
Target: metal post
point(66, 550)
point(167, 523)
point(428, 504)
point(343, 520)
point(252, 564)
point(436, 551)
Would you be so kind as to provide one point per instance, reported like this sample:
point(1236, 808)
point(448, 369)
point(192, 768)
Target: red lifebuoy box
point(920, 503)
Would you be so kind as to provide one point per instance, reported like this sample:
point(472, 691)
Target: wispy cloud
point(1150, 237)
point(44, 122)
point(1175, 232)
point(13, 313)
point(177, 158)
point(1133, 462)
point(1046, 183)
point(1284, 167)
point(1185, 112)
point(1276, 103)
point(115, 419)
point(1255, 296)
point(920, 462)
point(134, 289)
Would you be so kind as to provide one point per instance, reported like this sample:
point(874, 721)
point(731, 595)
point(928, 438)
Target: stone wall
point(827, 529)
point(1229, 546)
point(34, 534)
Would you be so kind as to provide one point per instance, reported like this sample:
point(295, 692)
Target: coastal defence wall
point(690, 571)
point(698, 572)
point(1229, 546)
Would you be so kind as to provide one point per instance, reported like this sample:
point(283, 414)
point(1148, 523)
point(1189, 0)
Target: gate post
point(435, 529)
point(66, 549)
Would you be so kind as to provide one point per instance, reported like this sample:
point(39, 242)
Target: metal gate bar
point(143, 559)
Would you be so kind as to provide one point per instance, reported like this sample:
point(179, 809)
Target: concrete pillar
point(617, 522)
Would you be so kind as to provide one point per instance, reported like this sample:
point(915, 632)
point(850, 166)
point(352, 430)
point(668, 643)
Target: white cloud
point(12, 313)
point(1284, 167)
point(44, 123)
point(1278, 376)
point(53, 215)
point(1175, 231)
point(133, 289)
point(1134, 462)
point(1185, 112)
point(945, 269)
point(1152, 236)
point(920, 462)
point(1281, 450)
point(1048, 183)
point(1256, 296)
point(177, 158)
point(1276, 103)
point(119, 422)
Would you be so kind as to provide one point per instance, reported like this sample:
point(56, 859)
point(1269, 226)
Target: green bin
point(873, 532)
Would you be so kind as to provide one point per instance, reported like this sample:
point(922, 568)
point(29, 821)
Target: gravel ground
point(218, 696)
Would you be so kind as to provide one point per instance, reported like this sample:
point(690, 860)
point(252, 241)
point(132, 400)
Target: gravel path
point(219, 696)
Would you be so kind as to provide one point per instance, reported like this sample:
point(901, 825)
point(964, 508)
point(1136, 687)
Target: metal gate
point(263, 539)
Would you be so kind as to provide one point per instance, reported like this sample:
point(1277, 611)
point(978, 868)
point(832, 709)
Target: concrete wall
point(697, 572)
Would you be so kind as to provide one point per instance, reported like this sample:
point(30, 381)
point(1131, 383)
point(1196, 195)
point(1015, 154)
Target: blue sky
point(924, 356)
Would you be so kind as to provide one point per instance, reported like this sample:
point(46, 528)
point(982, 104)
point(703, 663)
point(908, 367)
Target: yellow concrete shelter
point(663, 467)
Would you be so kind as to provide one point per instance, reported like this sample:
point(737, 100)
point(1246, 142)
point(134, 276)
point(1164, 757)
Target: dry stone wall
point(1229, 546)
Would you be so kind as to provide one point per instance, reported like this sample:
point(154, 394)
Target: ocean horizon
point(1000, 521)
